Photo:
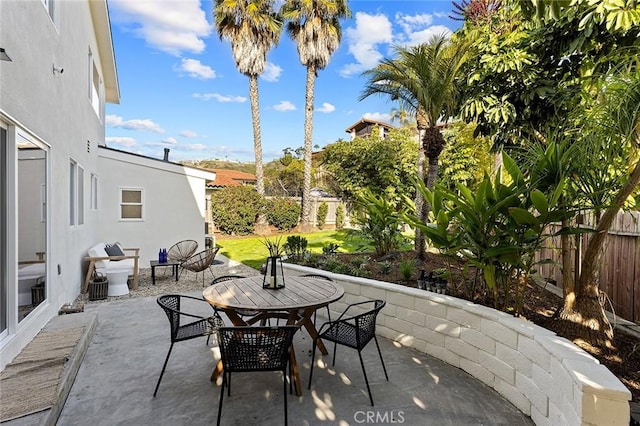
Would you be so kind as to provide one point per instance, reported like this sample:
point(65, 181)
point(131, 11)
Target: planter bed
point(545, 376)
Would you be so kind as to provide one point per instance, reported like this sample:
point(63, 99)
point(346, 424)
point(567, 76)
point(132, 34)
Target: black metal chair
point(249, 349)
point(186, 326)
point(355, 332)
point(200, 262)
point(323, 277)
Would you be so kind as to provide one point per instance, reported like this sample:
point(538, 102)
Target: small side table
point(174, 268)
point(118, 282)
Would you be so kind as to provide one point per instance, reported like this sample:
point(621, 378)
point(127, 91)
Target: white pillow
point(98, 251)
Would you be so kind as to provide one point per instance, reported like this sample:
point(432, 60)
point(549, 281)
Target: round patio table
point(296, 302)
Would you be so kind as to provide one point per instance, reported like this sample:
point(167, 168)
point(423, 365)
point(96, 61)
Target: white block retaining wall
point(545, 376)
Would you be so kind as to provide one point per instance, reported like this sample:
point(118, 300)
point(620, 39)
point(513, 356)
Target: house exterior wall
point(55, 111)
point(173, 203)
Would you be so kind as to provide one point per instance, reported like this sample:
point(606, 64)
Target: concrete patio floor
point(117, 376)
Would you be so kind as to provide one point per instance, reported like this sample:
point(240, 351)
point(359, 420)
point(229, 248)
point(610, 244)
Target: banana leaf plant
point(498, 228)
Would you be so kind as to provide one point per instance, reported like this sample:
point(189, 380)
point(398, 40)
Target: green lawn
point(252, 252)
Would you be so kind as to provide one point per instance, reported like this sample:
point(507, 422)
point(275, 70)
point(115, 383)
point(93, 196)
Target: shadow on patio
point(116, 380)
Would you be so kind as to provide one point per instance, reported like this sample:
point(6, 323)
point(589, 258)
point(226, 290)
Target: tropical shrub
point(296, 247)
point(235, 209)
point(380, 223)
point(321, 215)
point(283, 213)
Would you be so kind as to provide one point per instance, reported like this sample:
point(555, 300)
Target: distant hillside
point(222, 164)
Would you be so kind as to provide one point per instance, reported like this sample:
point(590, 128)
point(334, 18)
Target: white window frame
point(95, 86)
point(76, 194)
point(94, 192)
point(141, 204)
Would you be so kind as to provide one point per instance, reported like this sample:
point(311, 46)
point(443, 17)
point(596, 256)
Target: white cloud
point(172, 26)
point(170, 141)
point(378, 116)
point(122, 141)
point(271, 72)
point(410, 22)
point(194, 147)
point(284, 106)
point(326, 108)
point(148, 125)
point(195, 69)
point(220, 98)
point(364, 39)
point(425, 35)
point(189, 134)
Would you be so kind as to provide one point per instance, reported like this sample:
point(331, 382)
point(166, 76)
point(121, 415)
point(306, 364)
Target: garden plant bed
point(623, 360)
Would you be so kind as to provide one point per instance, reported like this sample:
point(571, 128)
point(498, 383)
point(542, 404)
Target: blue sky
point(179, 87)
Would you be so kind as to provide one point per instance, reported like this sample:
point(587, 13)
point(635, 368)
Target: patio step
point(88, 320)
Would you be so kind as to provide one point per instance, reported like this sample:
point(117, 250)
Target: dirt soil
point(623, 360)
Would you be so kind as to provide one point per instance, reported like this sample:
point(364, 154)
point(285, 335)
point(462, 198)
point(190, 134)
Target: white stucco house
point(61, 189)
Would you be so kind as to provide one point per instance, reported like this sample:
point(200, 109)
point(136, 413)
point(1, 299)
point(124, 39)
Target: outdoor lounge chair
point(250, 349)
point(200, 262)
point(181, 330)
point(182, 250)
point(355, 332)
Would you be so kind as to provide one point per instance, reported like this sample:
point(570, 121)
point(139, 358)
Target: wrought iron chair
point(182, 250)
point(355, 332)
point(184, 325)
point(324, 277)
point(200, 262)
point(249, 349)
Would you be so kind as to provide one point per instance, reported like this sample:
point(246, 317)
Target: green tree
point(315, 25)
point(384, 166)
point(423, 79)
point(283, 176)
point(253, 28)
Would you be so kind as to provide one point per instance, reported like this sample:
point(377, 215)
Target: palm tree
point(315, 25)
point(423, 79)
point(253, 28)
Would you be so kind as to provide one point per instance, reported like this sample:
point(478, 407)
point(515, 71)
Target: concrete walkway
point(115, 382)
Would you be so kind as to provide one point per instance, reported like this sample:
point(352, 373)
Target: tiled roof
point(226, 178)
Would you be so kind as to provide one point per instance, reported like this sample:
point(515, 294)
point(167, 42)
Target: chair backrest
point(226, 278)
point(255, 348)
point(170, 303)
point(366, 323)
point(182, 250)
point(201, 261)
point(324, 277)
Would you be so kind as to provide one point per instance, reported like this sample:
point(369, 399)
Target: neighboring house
point(365, 128)
point(226, 178)
point(61, 189)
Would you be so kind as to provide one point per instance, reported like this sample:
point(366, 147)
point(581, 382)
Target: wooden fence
point(619, 274)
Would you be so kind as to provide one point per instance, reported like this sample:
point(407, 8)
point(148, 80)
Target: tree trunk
point(420, 243)
point(305, 219)
point(587, 315)
point(261, 227)
point(568, 284)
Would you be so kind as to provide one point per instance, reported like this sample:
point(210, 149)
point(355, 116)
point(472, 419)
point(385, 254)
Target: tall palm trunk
point(305, 220)
point(261, 223)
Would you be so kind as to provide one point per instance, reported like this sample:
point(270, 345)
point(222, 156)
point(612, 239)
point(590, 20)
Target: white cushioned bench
point(101, 262)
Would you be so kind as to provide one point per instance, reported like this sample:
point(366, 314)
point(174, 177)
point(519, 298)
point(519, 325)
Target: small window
point(73, 190)
point(94, 192)
point(131, 207)
point(76, 194)
point(94, 85)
